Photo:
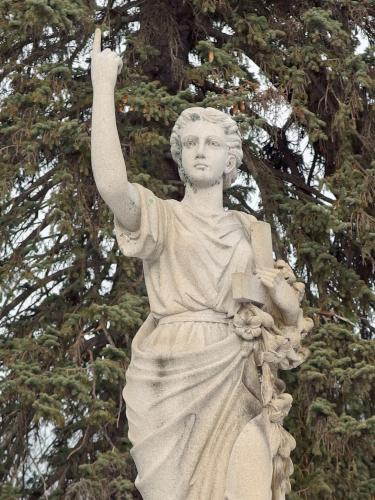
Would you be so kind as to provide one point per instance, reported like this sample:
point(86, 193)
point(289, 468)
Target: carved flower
point(247, 325)
point(279, 407)
point(247, 332)
point(250, 322)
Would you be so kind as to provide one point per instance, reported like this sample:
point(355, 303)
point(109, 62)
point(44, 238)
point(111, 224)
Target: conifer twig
point(331, 314)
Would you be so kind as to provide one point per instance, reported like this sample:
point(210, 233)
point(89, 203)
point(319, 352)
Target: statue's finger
point(97, 43)
point(267, 283)
point(270, 274)
point(266, 277)
point(268, 270)
point(281, 263)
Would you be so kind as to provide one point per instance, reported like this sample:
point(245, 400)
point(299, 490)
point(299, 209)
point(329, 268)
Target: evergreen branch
point(285, 176)
point(335, 317)
point(107, 334)
point(31, 289)
point(52, 254)
point(98, 342)
point(21, 250)
point(59, 473)
point(41, 180)
point(311, 172)
point(83, 442)
point(302, 186)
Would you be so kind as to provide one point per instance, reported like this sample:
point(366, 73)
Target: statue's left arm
point(283, 290)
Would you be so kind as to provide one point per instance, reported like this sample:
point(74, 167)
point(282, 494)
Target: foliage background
point(70, 303)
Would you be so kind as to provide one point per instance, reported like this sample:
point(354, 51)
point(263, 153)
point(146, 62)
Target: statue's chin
point(201, 183)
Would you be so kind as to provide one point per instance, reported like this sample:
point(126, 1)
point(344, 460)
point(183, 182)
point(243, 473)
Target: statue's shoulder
point(246, 221)
point(249, 217)
point(244, 218)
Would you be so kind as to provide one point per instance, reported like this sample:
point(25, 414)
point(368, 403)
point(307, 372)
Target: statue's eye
point(188, 143)
point(214, 142)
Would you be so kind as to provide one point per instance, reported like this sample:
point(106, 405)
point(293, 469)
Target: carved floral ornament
point(275, 347)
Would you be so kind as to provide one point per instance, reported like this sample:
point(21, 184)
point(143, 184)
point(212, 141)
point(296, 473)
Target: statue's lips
point(200, 166)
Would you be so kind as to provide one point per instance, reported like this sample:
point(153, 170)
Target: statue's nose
point(200, 150)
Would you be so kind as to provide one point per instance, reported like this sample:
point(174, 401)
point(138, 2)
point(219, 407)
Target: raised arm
point(106, 155)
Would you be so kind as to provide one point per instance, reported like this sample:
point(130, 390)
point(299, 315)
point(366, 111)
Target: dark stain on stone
point(156, 386)
point(162, 363)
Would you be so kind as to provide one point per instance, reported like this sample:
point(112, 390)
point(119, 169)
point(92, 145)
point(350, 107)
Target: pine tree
point(70, 303)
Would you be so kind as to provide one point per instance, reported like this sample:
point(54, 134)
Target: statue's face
point(204, 153)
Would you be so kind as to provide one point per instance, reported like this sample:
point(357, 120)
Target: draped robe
point(186, 401)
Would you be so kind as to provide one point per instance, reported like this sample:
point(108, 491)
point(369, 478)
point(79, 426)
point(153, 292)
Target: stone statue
point(204, 403)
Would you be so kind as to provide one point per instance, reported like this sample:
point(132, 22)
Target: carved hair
point(233, 138)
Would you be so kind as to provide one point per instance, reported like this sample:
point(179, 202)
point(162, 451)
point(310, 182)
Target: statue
point(204, 403)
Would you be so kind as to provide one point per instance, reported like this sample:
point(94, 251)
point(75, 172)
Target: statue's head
point(207, 147)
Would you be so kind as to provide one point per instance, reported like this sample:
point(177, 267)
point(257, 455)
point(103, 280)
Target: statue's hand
point(105, 65)
point(283, 295)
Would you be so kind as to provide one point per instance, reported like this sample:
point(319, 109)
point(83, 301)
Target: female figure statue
point(204, 403)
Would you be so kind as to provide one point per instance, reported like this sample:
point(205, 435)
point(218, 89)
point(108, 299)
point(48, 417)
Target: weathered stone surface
point(204, 403)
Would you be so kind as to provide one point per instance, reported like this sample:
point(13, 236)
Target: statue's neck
point(204, 200)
